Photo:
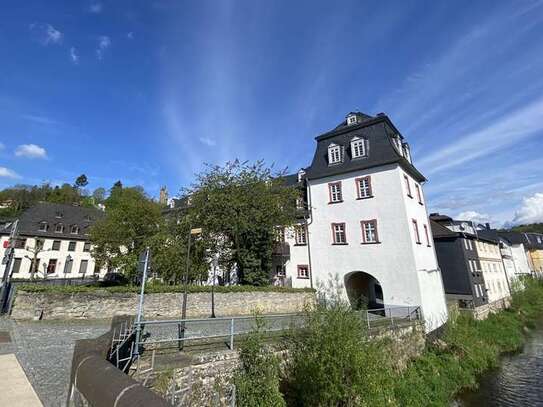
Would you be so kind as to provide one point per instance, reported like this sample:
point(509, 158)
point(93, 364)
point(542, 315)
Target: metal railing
point(391, 316)
point(205, 330)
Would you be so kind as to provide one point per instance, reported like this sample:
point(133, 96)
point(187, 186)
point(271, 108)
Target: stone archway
point(364, 291)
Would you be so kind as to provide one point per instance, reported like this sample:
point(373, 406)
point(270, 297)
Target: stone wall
point(103, 304)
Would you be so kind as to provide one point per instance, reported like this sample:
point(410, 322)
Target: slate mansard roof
point(532, 241)
point(378, 131)
point(53, 214)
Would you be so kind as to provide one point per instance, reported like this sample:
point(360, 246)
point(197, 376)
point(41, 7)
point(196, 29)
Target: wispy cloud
point(130, 35)
point(48, 35)
point(208, 141)
point(96, 8)
point(2, 146)
point(30, 151)
point(39, 119)
point(474, 216)
point(74, 56)
point(523, 123)
point(104, 42)
point(531, 210)
point(7, 173)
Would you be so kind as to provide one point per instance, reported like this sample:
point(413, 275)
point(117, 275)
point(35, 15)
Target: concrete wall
point(102, 304)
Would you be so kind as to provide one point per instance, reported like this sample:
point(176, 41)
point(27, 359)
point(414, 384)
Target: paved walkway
point(44, 350)
point(16, 389)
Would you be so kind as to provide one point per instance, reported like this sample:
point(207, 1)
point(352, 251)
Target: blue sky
point(147, 91)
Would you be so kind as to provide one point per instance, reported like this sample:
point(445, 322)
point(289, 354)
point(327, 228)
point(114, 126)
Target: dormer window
point(406, 153)
point(335, 154)
point(87, 218)
point(358, 147)
point(301, 175)
point(351, 119)
point(74, 230)
point(59, 228)
point(43, 227)
point(58, 214)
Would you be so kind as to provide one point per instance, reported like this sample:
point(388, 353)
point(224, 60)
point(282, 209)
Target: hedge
point(156, 288)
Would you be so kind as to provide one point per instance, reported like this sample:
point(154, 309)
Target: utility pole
point(8, 259)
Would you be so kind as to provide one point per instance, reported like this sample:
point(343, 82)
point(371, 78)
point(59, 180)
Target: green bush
point(257, 378)
point(155, 288)
point(332, 363)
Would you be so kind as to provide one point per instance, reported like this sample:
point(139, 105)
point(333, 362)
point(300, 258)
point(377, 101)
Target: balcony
point(281, 249)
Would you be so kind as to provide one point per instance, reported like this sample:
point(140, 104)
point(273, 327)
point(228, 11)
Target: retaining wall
point(103, 304)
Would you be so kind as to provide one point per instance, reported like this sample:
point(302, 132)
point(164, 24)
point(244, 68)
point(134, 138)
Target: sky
point(148, 91)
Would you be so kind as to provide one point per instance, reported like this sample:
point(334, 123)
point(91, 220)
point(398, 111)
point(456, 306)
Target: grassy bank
point(331, 363)
point(155, 288)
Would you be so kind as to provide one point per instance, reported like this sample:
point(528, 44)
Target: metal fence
point(209, 330)
point(392, 316)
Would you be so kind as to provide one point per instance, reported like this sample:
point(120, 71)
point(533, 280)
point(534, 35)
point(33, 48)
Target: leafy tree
point(239, 206)
point(119, 238)
point(99, 195)
point(81, 181)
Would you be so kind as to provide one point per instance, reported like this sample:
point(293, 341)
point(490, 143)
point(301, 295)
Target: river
point(517, 382)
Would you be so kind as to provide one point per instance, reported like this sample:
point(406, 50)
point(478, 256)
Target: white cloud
point(2, 146)
point(474, 216)
point(39, 119)
point(531, 210)
point(30, 151)
point(96, 8)
point(7, 173)
point(104, 42)
point(49, 34)
point(130, 35)
point(207, 141)
point(74, 56)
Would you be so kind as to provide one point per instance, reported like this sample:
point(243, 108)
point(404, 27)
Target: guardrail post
point(232, 334)
point(368, 319)
point(409, 312)
point(391, 319)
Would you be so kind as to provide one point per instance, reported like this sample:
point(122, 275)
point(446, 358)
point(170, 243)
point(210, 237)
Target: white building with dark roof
point(63, 231)
point(366, 221)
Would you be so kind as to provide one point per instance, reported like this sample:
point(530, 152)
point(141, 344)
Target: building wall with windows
point(493, 269)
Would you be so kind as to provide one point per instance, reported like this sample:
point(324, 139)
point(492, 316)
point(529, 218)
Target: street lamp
point(215, 262)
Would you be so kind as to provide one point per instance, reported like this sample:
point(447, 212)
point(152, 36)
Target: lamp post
point(215, 261)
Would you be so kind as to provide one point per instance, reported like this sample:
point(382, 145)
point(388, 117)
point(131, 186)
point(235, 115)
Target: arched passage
point(363, 290)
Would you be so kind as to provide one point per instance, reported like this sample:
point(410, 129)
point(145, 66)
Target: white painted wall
point(522, 264)
point(48, 254)
point(408, 272)
point(494, 272)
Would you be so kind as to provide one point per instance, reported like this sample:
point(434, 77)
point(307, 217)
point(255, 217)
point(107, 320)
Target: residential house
point(366, 221)
point(61, 231)
point(533, 246)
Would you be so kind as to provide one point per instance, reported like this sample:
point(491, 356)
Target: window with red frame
point(407, 186)
point(338, 233)
point(334, 189)
point(52, 266)
point(303, 271)
point(369, 231)
point(416, 230)
point(300, 234)
point(363, 187)
point(427, 234)
point(419, 193)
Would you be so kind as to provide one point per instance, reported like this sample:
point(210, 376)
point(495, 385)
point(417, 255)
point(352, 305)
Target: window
point(407, 186)
point(427, 235)
point(466, 244)
point(338, 233)
point(59, 228)
point(358, 147)
point(363, 187)
point(476, 286)
point(419, 193)
point(87, 218)
point(52, 266)
point(43, 227)
point(300, 203)
point(335, 154)
point(56, 245)
point(83, 266)
point(19, 243)
point(369, 231)
point(300, 235)
point(58, 215)
point(16, 265)
point(87, 247)
point(71, 246)
point(416, 230)
point(279, 234)
point(303, 271)
point(74, 230)
point(351, 119)
point(334, 189)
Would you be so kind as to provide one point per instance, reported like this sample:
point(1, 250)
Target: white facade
point(52, 261)
point(494, 273)
point(404, 265)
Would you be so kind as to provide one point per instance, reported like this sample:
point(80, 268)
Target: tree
point(130, 221)
point(99, 195)
point(35, 251)
point(239, 207)
point(81, 181)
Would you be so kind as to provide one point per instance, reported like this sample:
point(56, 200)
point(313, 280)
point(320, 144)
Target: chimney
point(487, 225)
